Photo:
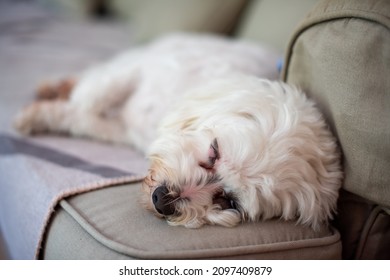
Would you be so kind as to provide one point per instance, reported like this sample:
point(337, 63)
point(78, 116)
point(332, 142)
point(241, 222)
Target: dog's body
point(231, 146)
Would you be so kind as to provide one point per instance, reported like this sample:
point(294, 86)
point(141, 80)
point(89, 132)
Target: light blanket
point(34, 177)
point(37, 172)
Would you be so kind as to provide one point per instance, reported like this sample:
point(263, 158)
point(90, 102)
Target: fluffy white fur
point(231, 147)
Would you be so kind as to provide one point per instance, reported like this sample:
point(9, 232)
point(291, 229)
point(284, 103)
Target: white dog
point(232, 147)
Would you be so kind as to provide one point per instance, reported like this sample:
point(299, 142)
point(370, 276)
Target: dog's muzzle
point(163, 202)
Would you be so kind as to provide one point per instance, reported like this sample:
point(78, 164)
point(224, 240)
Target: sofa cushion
point(110, 224)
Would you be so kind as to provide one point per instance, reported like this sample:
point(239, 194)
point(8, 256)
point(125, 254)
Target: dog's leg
point(61, 116)
point(52, 91)
point(106, 88)
point(93, 109)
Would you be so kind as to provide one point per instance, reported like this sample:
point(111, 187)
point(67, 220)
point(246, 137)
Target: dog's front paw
point(26, 121)
point(226, 218)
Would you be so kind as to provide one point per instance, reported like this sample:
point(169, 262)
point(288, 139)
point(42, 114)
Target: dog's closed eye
point(213, 155)
point(224, 201)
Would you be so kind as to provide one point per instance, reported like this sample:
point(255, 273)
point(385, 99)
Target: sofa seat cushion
point(109, 223)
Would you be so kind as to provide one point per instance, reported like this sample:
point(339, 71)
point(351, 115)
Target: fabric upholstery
point(109, 223)
point(340, 56)
point(375, 240)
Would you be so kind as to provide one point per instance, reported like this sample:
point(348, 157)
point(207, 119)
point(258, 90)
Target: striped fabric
point(35, 176)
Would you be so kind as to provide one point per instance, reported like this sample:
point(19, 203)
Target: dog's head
point(183, 184)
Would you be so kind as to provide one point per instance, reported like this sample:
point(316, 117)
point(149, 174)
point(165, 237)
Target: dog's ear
point(149, 180)
point(212, 155)
point(156, 166)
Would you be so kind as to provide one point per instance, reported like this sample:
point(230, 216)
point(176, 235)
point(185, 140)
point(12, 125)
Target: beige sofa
point(340, 55)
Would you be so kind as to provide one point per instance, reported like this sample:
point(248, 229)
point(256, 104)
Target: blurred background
point(147, 19)
point(46, 40)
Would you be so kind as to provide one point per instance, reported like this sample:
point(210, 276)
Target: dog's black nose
point(162, 201)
